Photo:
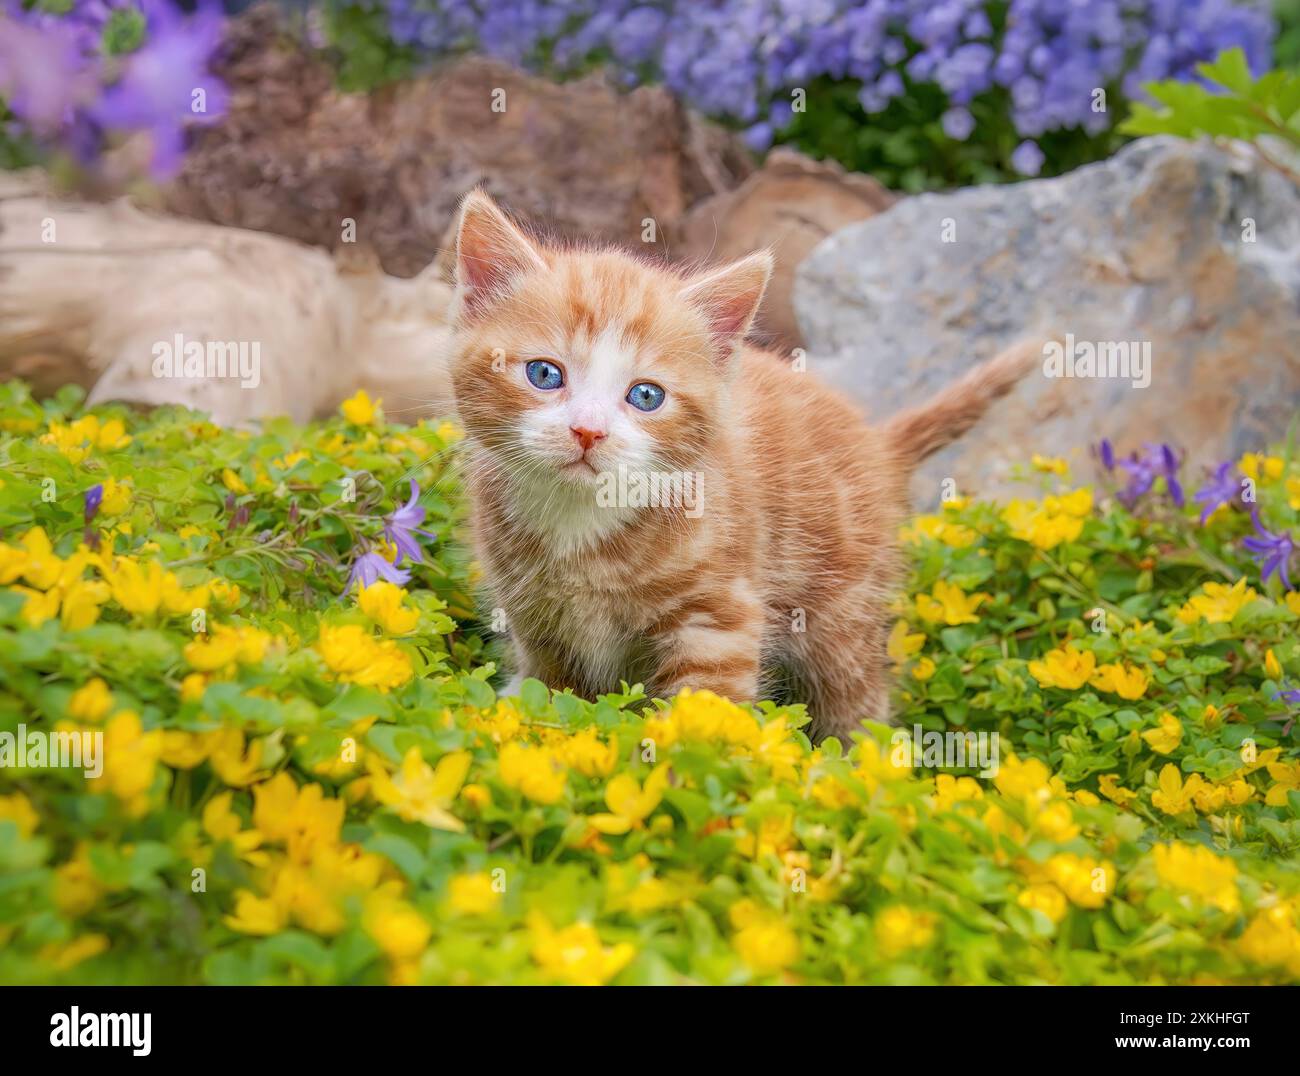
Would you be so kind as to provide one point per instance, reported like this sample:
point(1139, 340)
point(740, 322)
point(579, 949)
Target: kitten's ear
point(730, 296)
point(491, 253)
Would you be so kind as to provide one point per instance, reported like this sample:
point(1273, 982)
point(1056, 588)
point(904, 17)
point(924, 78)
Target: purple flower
point(45, 72)
point(94, 498)
point(165, 84)
point(402, 525)
point(1272, 551)
point(1291, 695)
point(371, 566)
point(1106, 452)
point(1222, 489)
point(957, 124)
point(1027, 159)
point(1159, 461)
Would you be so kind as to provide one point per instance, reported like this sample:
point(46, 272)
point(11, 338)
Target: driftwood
point(123, 301)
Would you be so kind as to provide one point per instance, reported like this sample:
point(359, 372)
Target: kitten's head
point(569, 363)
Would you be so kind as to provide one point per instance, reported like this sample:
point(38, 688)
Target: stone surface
point(296, 157)
point(1148, 246)
point(790, 205)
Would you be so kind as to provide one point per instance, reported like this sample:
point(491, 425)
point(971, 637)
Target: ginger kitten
point(585, 378)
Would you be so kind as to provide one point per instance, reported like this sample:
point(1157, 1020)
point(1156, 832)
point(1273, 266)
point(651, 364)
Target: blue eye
point(544, 375)
point(645, 396)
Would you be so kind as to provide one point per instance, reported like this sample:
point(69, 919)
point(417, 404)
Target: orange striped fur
point(790, 559)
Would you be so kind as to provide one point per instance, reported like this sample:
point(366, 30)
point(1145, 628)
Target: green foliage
point(1235, 105)
point(303, 786)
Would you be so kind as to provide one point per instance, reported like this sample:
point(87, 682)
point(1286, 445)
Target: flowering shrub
point(916, 92)
point(78, 74)
point(307, 776)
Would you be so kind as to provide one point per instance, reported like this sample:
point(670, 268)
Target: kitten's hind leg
point(842, 663)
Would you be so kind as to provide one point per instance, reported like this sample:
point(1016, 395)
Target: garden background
point(274, 622)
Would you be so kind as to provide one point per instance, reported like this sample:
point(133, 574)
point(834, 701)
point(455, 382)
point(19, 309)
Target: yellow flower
point(382, 603)
point(303, 819)
point(1195, 870)
point(898, 928)
point(183, 750)
point(16, 808)
point(1066, 667)
point(1272, 940)
point(117, 497)
point(575, 954)
point(38, 607)
point(40, 567)
point(237, 766)
point(1028, 780)
point(81, 601)
point(1086, 881)
point(144, 590)
point(1272, 666)
point(1167, 736)
point(902, 646)
point(1050, 464)
point(1171, 795)
point(630, 803)
point(1219, 604)
point(421, 793)
point(762, 939)
point(534, 771)
point(222, 824)
point(1260, 467)
point(226, 645)
point(77, 887)
point(359, 409)
point(78, 439)
point(957, 535)
point(397, 928)
point(354, 656)
point(91, 702)
point(473, 894)
point(949, 604)
point(1046, 899)
point(1293, 493)
point(1287, 776)
point(1126, 681)
point(261, 916)
point(1109, 785)
point(1292, 600)
point(1058, 519)
point(233, 482)
point(130, 758)
point(587, 753)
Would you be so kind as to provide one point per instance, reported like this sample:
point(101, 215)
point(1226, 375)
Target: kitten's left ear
point(491, 254)
point(730, 297)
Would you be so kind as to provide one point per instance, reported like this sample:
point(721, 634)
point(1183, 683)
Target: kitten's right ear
point(491, 254)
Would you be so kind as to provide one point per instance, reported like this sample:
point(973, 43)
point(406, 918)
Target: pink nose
point(586, 437)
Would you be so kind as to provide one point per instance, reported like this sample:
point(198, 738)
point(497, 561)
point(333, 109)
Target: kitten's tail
point(920, 431)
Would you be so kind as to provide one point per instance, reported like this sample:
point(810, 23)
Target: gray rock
point(1155, 246)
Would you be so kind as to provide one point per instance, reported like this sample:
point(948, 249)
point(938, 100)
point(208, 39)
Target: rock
point(790, 204)
point(1188, 248)
point(297, 157)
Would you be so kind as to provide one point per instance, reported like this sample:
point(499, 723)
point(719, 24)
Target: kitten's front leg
point(710, 640)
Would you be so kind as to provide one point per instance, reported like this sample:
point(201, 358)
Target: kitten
point(581, 376)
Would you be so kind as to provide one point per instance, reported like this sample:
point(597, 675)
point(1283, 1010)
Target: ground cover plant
point(307, 775)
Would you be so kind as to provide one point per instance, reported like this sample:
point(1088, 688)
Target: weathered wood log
point(128, 303)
